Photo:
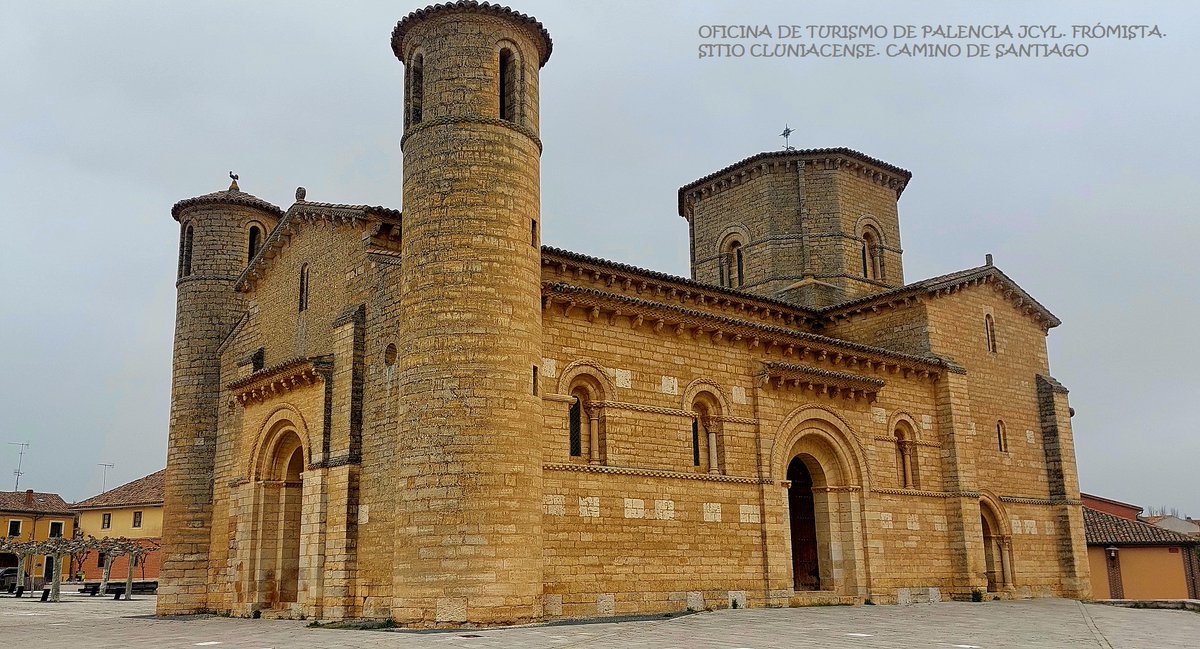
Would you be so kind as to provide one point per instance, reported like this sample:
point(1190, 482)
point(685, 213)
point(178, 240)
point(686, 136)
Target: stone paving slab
point(97, 623)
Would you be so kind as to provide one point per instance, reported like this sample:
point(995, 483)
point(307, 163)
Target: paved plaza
point(95, 623)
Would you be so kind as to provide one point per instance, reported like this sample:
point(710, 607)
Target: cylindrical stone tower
point(469, 477)
point(216, 234)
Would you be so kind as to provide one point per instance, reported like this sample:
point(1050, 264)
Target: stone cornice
point(662, 287)
point(1030, 500)
point(653, 473)
point(878, 171)
point(670, 412)
point(472, 119)
point(973, 495)
point(942, 286)
point(720, 329)
point(911, 442)
point(281, 378)
point(304, 213)
point(821, 381)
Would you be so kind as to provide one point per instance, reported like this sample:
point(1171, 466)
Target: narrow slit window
point(254, 240)
point(695, 441)
point(533, 232)
point(576, 425)
point(535, 380)
point(185, 252)
point(303, 303)
point(1001, 437)
point(416, 91)
point(740, 264)
point(507, 86)
point(989, 332)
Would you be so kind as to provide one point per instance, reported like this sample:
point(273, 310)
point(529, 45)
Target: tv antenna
point(104, 476)
point(20, 459)
point(787, 131)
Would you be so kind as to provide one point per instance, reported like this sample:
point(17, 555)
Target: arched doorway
point(823, 543)
point(806, 572)
point(996, 559)
point(281, 492)
point(289, 529)
point(991, 558)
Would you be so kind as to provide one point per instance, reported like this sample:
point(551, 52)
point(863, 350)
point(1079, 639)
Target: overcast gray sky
point(1077, 174)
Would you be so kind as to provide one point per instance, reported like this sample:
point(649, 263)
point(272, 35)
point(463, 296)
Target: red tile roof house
point(132, 510)
point(1130, 559)
point(34, 516)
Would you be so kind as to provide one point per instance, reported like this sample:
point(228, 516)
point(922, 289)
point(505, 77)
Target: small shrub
point(977, 595)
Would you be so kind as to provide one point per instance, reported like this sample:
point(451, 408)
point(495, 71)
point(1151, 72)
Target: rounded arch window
point(185, 251)
point(254, 240)
point(706, 414)
point(508, 85)
point(416, 89)
point(733, 264)
point(872, 253)
point(907, 466)
point(579, 405)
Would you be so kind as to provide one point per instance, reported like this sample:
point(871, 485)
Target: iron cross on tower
point(785, 134)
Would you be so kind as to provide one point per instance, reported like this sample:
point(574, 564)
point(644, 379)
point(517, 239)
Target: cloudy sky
point(1077, 174)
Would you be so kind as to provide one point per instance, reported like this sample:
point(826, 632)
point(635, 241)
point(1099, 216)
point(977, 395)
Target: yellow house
point(132, 510)
point(34, 516)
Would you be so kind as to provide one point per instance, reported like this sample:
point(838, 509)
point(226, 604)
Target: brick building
point(1133, 559)
point(432, 418)
point(133, 511)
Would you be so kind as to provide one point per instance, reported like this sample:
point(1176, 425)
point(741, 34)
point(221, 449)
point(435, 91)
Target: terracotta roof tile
point(143, 491)
point(229, 197)
point(475, 7)
point(905, 174)
point(1105, 529)
point(43, 503)
point(940, 282)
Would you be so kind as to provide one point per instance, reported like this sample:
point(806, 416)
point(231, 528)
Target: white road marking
point(859, 635)
point(205, 644)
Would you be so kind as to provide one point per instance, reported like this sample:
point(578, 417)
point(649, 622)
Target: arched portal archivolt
point(997, 543)
point(834, 478)
point(281, 420)
point(271, 558)
point(834, 445)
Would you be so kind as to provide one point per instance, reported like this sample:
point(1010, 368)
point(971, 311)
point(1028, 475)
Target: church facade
point(430, 417)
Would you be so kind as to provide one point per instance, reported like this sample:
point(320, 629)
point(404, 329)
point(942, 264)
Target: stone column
point(593, 435)
point(1004, 545)
point(713, 466)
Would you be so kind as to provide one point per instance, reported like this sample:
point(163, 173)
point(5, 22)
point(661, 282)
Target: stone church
point(430, 417)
